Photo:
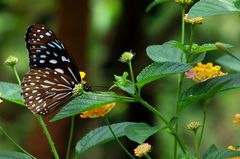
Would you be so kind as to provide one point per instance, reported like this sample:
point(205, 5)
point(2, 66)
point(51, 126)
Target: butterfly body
point(53, 74)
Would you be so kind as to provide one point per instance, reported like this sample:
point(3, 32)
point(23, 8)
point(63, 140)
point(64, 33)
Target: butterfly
point(53, 74)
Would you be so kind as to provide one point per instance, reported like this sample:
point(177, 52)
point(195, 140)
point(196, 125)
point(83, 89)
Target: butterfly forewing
point(46, 51)
point(45, 89)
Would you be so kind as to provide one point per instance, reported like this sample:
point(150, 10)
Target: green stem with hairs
point(70, 137)
point(48, 136)
point(147, 156)
point(116, 138)
point(18, 146)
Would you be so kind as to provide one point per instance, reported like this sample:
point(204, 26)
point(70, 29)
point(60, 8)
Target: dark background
point(96, 33)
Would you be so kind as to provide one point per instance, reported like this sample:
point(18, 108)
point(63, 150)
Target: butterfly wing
point(46, 51)
point(44, 89)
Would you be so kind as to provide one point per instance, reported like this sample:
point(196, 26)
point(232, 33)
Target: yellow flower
point(230, 147)
point(83, 75)
point(203, 72)
point(183, 1)
point(236, 119)
point(196, 20)
point(1, 101)
point(11, 61)
point(98, 112)
point(142, 150)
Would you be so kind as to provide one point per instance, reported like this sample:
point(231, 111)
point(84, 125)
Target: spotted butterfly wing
point(53, 74)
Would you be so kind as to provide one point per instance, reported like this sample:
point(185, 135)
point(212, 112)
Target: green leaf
point(210, 150)
point(101, 135)
point(197, 58)
point(13, 155)
point(223, 154)
point(206, 8)
point(209, 47)
point(209, 88)
point(229, 62)
point(87, 101)
point(139, 132)
point(11, 92)
point(165, 52)
point(159, 70)
point(154, 3)
point(236, 3)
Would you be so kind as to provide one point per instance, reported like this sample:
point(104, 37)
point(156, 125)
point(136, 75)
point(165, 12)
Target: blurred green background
point(96, 33)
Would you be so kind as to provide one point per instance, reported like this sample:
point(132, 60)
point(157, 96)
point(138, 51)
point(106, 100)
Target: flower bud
point(126, 57)
point(78, 89)
point(184, 1)
point(11, 61)
point(196, 20)
point(142, 150)
point(194, 126)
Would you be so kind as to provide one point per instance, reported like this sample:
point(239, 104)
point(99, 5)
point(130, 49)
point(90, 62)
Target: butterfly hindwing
point(46, 51)
point(45, 89)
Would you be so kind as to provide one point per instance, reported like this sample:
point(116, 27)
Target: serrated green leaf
point(101, 135)
point(165, 52)
point(159, 70)
point(13, 155)
point(210, 150)
point(223, 154)
point(154, 3)
point(209, 88)
point(236, 3)
point(87, 101)
point(139, 132)
point(11, 92)
point(206, 8)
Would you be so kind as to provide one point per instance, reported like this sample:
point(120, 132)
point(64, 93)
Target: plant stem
point(115, 137)
point(196, 146)
point(189, 54)
point(183, 24)
point(48, 136)
point(158, 114)
point(147, 156)
point(16, 74)
point(70, 136)
point(203, 127)
point(132, 75)
point(18, 146)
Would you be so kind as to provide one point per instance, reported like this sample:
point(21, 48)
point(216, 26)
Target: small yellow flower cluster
point(11, 61)
point(235, 149)
point(1, 101)
point(183, 1)
point(236, 119)
point(98, 112)
point(82, 75)
point(142, 150)
point(203, 72)
point(194, 125)
point(196, 20)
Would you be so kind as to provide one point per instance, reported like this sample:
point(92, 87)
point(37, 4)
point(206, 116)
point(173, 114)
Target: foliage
point(168, 59)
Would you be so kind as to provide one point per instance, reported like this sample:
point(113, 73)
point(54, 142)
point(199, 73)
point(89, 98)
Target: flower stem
point(183, 25)
point(196, 146)
point(115, 137)
point(18, 146)
point(203, 127)
point(190, 42)
point(16, 74)
point(70, 136)
point(147, 156)
point(48, 136)
point(158, 114)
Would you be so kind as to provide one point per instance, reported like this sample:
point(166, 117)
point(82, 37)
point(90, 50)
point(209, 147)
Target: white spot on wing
point(59, 70)
point(49, 82)
point(53, 61)
point(65, 59)
point(42, 61)
point(48, 34)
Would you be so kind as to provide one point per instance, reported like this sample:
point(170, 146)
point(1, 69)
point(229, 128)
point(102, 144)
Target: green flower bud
point(126, 57)
point(11, 61)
